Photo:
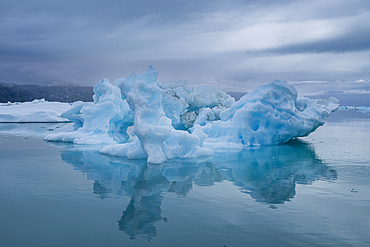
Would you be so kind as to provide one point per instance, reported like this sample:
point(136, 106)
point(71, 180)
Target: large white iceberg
point(142, 118)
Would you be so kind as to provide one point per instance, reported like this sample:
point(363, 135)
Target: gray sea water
point(312, 191)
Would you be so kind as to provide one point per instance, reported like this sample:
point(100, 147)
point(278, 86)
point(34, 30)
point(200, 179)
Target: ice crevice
point(139, 117)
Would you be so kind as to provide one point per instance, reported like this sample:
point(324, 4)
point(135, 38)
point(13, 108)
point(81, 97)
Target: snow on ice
point(36, 111)
point(139, 117)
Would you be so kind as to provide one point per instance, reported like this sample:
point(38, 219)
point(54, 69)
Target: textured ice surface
point(104, 121)
point(271, 114)
point(156, 138)
point(142, 118)
point(36, 111)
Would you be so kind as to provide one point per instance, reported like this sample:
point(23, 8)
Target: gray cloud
point(204, 42)
point(353, 35)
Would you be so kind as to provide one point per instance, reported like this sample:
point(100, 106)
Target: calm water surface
point(314, 191)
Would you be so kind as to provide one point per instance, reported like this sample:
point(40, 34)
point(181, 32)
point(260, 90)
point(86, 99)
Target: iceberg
point(139, 117)
point(37, 111)
point(362, 109)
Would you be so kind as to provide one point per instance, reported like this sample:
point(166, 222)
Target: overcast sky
point(231, 45)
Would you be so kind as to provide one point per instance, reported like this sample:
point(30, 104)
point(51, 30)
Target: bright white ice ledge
point(142, 118)
point(37, 111)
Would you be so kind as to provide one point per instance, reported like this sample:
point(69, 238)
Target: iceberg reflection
point(144, 208)
point(268, 174)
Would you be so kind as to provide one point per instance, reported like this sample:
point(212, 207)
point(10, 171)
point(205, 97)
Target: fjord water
point(313, 191)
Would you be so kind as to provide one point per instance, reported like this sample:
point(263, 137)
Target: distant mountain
point(23, 93)
point(236, 95)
